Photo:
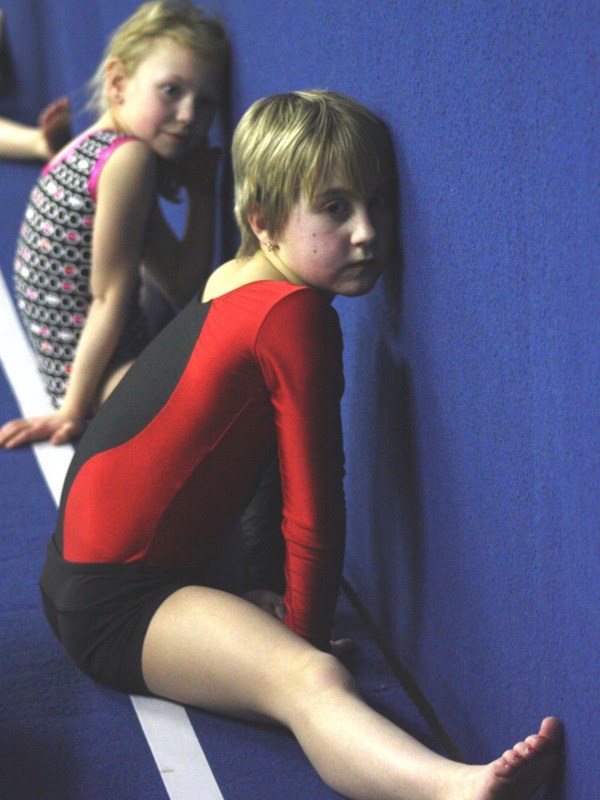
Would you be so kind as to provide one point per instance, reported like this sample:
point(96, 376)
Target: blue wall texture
point(472, 369)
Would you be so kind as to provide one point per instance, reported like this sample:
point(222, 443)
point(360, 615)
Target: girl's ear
point(257, 223)
point(115, 81)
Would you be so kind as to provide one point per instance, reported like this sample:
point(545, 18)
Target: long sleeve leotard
point(171, 460)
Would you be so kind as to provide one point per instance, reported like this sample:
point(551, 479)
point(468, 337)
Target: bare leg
point(41, 142)
point(216, 651)
point(112, 380)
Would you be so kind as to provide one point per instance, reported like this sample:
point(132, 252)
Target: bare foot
point(55, 122)
point(522, 770)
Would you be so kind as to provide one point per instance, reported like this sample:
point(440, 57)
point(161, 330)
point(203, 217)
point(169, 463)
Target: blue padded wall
point(470, 415)
point(472, 369)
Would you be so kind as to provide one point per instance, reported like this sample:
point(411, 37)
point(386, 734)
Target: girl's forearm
point(99, 338)
point(197, 244)
point(181, 267)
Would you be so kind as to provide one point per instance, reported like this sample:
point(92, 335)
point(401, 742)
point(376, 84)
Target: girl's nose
point(364, 231)
point(186, 111)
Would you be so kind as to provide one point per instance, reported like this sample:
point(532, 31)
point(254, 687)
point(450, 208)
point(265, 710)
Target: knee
point(323, 673)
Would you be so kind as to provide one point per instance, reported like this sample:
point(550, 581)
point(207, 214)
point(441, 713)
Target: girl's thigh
point(112, 380)
point(217, 651)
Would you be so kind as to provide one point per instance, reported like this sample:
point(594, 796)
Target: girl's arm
point(300, 351)
point(126, 190)
point(180, 267)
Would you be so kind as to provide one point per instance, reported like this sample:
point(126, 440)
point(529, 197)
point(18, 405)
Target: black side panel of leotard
point(142, 393)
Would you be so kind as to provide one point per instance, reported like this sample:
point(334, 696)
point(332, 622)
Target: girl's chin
point(357, 288)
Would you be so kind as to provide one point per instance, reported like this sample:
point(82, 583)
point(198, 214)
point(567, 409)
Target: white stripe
point(19, 365)
point(172, 740)
point(173, 743)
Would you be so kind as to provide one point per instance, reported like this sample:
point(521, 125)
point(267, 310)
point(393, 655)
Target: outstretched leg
point(216, 651)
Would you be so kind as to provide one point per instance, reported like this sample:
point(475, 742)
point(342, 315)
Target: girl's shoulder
point(228, 281)
point(120, 157)
point(283, 305)
point(102, 143)
point(92, 145)
point(255, 277)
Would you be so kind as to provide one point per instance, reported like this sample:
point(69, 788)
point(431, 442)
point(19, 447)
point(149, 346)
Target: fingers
point(343, 648)
point(271, 602)
point(279, 611)
point(21, 432)
point(66, 433)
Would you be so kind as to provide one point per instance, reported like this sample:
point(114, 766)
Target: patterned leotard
point(53, 260)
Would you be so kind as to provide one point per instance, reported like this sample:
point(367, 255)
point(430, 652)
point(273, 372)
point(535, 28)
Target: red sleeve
point(299, 348)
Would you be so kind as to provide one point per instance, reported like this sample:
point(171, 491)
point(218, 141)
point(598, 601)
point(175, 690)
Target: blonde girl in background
point(93, 219)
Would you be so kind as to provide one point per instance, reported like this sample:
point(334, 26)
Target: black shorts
point(101, 612)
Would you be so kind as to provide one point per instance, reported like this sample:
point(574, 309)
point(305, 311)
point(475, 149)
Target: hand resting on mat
point(58, 428)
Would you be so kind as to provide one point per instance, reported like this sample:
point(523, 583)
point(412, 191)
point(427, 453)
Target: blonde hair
point(178, 20)
point(287, 145)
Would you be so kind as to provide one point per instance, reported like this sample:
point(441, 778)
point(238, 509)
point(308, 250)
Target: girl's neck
point(240, 272)
point(111, 120)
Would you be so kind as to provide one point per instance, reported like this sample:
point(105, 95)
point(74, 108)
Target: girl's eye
point(337, 208)
point(170, 90)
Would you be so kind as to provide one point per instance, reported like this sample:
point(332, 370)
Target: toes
point(520, 753)
point(522, 750)
point(514, 758)
point(549, 737)
point(552, 730)
point(537, 743)
point(526, 766)
point(509, 761)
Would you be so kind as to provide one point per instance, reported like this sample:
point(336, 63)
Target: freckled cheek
point(320, 244)
point(309, 242)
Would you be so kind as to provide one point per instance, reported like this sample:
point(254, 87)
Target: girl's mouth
point(180, 138)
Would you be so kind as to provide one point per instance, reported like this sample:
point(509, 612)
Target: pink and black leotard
point(169, 463)
point(53, 261)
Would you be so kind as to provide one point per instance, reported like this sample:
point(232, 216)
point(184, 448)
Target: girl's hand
point(57, 428)
point(343, 648)
point(196, 172)
point(271, 602)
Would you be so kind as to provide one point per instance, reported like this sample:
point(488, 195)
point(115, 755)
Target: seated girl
point(172, 458)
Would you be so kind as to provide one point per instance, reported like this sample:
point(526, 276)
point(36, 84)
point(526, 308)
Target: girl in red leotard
point(169, 462)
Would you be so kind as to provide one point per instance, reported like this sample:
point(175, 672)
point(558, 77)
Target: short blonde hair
point(286, 145)
point(178, 20)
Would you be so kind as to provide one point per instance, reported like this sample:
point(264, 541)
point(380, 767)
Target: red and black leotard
point(171, 460)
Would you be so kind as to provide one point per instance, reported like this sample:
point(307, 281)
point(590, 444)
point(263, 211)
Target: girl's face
point(171, 99)
point(340, 241)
